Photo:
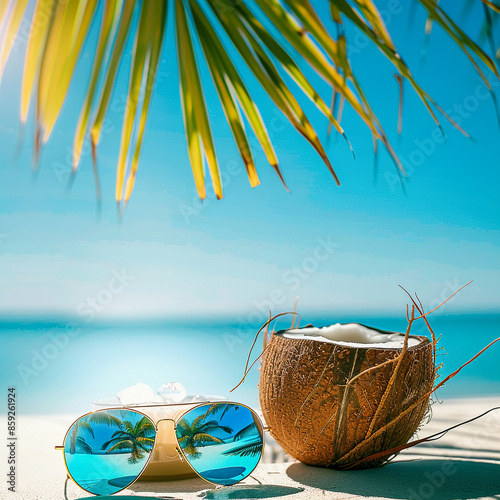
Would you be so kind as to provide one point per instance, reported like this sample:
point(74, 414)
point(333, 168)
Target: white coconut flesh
point(353, 335)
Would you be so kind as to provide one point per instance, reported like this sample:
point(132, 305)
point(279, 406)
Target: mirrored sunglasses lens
point(222, 441)
point(107, 450)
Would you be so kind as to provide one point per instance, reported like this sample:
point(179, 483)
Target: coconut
point(334, 396)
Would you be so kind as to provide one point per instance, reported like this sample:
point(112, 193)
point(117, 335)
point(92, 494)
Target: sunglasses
point(107, 450)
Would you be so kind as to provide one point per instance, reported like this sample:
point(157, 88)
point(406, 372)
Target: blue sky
point(340, 249)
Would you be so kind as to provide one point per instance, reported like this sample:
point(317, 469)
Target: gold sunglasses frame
point(180, 452)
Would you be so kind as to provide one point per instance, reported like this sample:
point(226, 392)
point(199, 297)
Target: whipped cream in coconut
point(351, 334)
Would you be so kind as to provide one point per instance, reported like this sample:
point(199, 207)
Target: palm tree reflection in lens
point(135, 438)
point(106, 451)
point(222, 442)
point(84, 425)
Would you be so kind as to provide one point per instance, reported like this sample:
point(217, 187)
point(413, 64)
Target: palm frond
point(126, 444)
point(384, 44)
point(470, 48)
point(492, 5)
point(85, 425)
point(68, 31)
point(104, 417)
point(34, 52)
point(111, 72)
point(155, 35)
point(147, 49)
point(245, 450)
point(216, 408)
point(135, 456)
point(288, 64)
point(144, 427)
point(110, 20)
point(183, 426)
point(214, 426)
point(13, 17)
point(183, 439)
point(200, 140)
point(191, 451)
point(223, 74)
point(129, 428)
point(80, 441)
point(249, 430)
point(145, 440)
point(204, 437)
point(272, 37)
point(198, 422)
point(263, 68)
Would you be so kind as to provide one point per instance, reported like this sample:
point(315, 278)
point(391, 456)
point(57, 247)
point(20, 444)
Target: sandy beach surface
point(464, 464)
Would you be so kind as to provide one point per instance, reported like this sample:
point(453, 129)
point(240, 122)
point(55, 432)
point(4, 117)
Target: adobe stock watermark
point(434, 481)
point(425, 147)
point(470, 446)
point(291, 280)
point(58, 339)
point(449, 288)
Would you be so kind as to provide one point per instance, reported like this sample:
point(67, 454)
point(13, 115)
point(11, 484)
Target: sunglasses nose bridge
point(167, 459)
point(166, 434)
point(166, 420)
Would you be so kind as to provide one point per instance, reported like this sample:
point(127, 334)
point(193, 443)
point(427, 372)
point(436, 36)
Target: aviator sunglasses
point(107, 450)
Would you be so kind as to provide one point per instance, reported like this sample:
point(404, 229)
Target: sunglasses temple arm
point(66, 488)
point(59, 448)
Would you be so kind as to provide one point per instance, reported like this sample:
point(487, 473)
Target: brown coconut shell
point(320, 420)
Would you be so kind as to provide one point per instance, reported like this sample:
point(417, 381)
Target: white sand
point(464, 464)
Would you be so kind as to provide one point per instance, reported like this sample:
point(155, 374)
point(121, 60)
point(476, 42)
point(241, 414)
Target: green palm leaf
point(140, 58)
point(225, 77)
point(468, 46)
point(82, 444)
point(109, 23)
point(205, 437)
point(121, 444)
point(198, 432)
point(103, 417)
point(216, 408)
point(200, 141)
point(65, 39)
point(266, 72)
point(132, 438)
point(492, 5)
point(111, 72)
point(249, 430)
point(214, 425)
point(34, 53)
point(289, 65)
point(85, 425)
point(13, 18)
point(271, 37)
point(156, 33)
point(245, 450)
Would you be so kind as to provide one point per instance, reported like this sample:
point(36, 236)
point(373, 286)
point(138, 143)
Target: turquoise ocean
point(59, 366)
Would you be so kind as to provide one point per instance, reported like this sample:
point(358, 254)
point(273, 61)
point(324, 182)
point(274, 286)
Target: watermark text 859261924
point(11, 439)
